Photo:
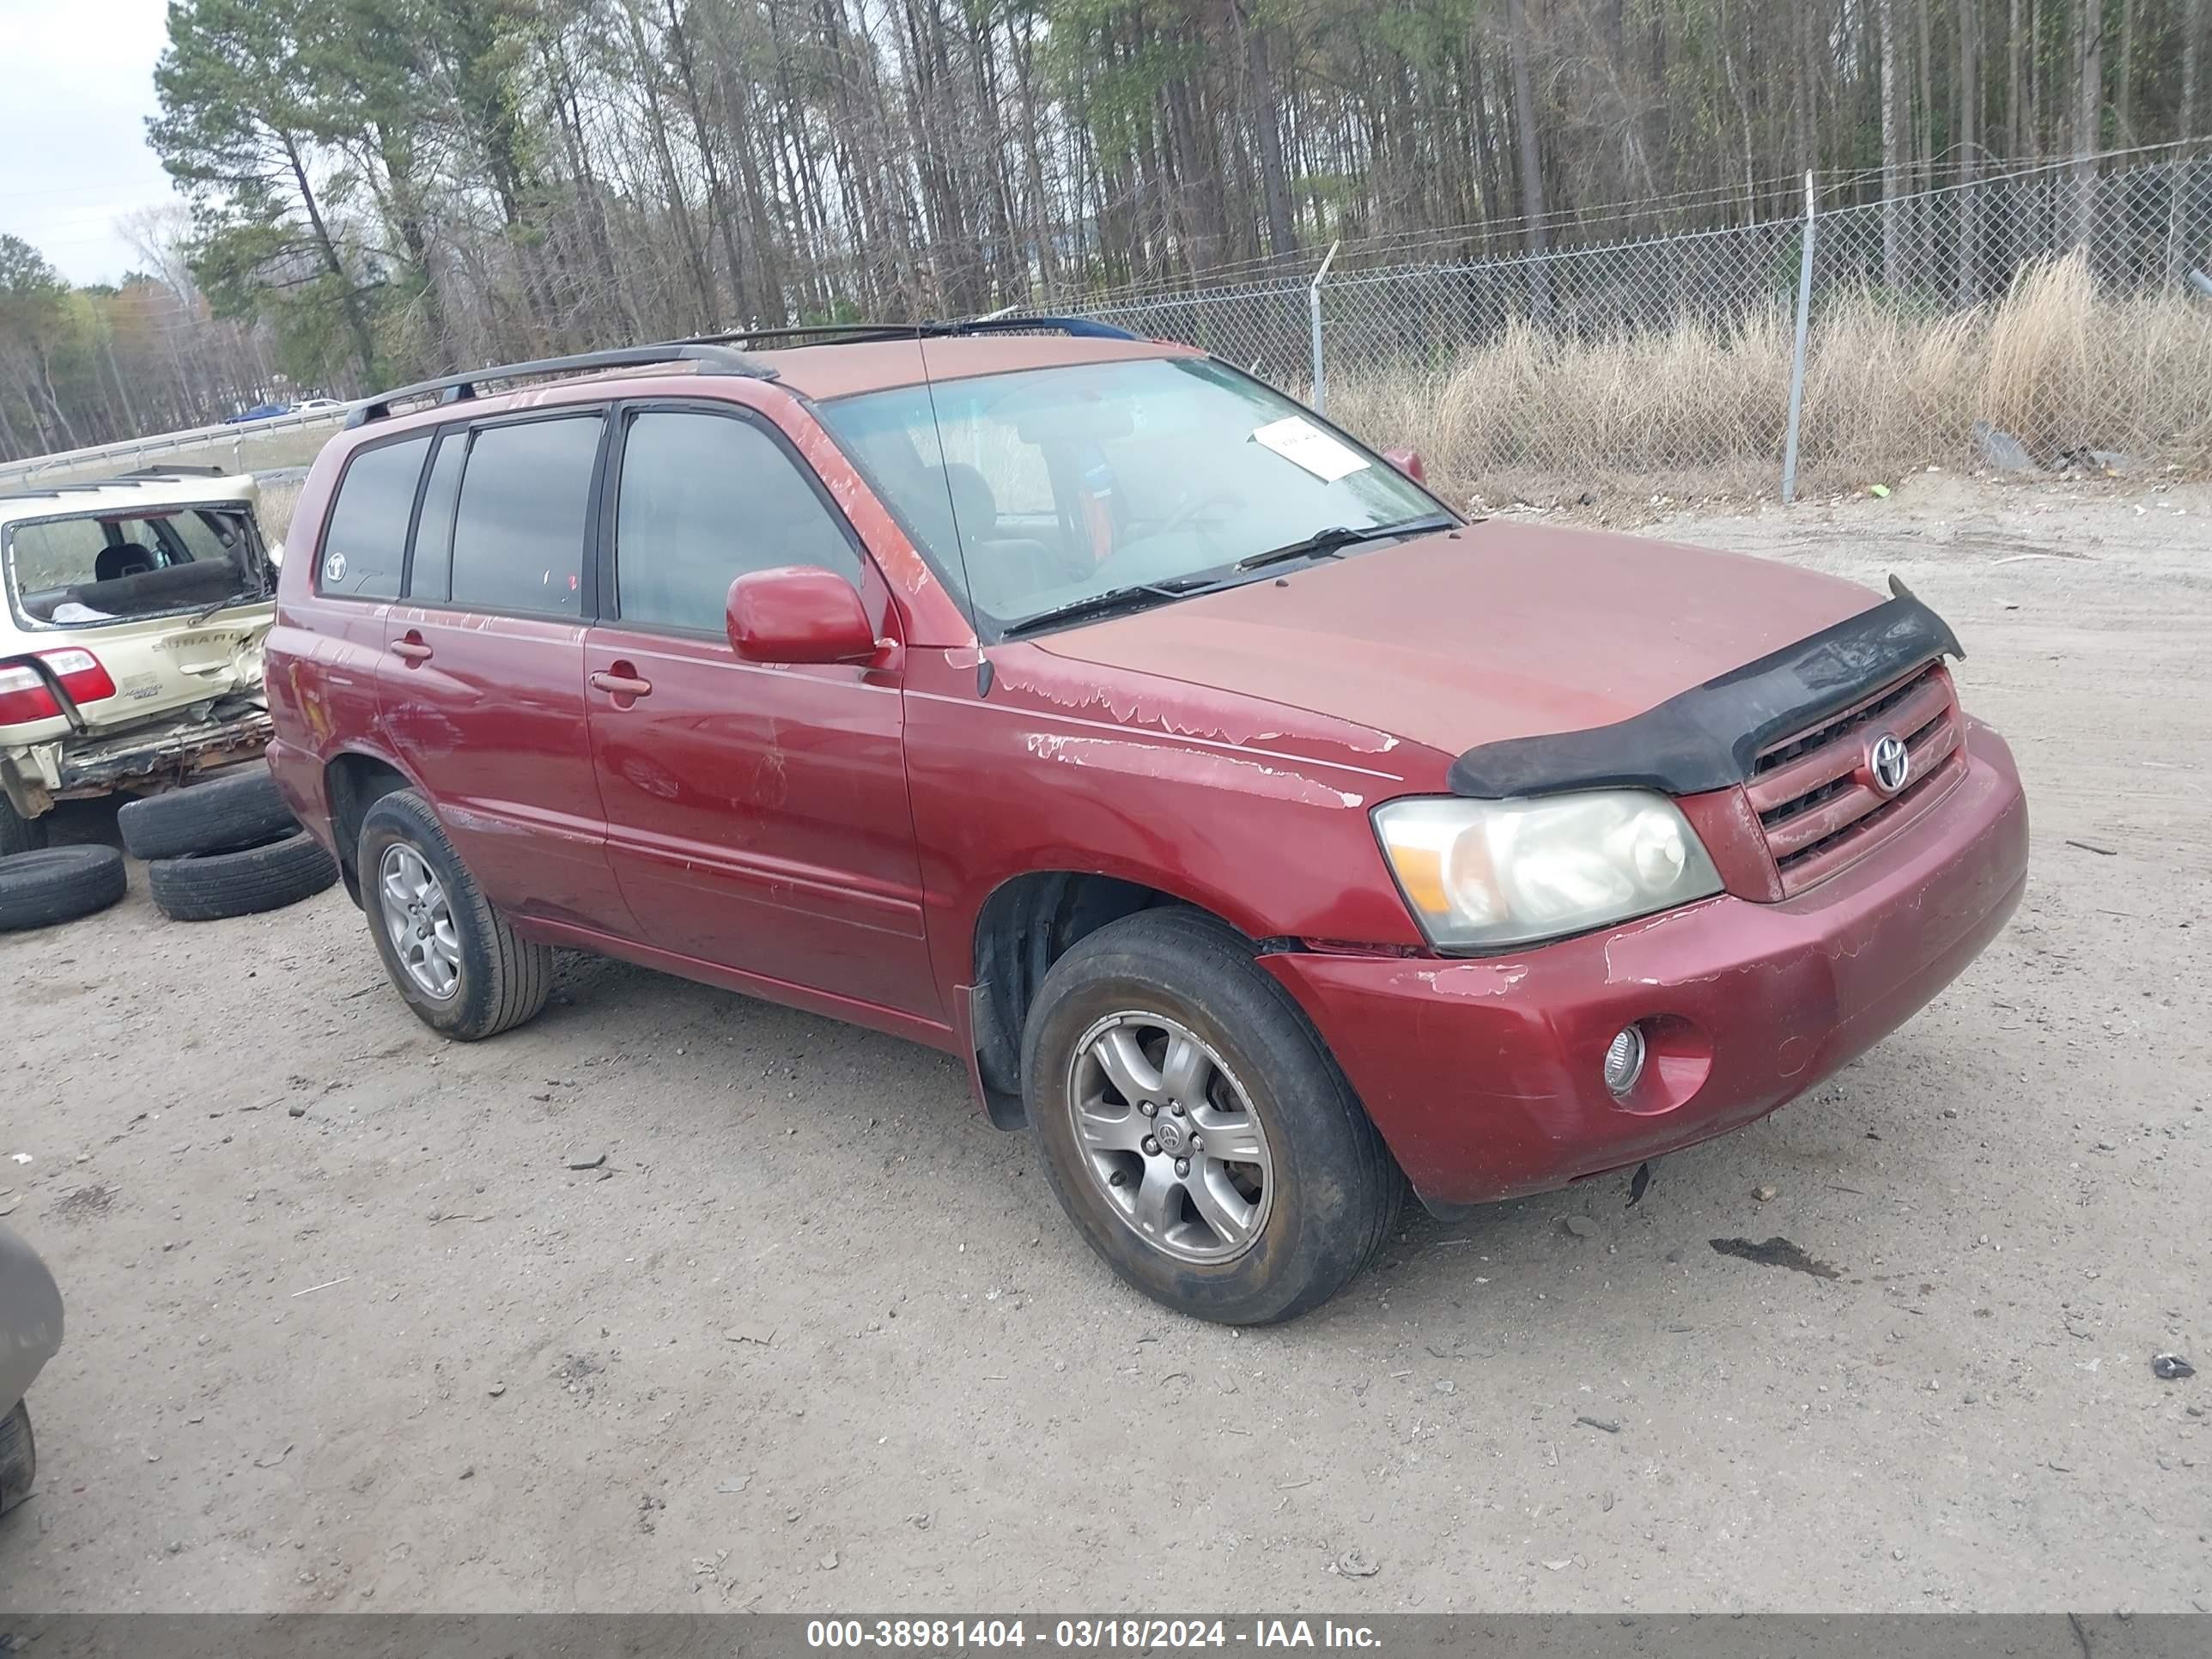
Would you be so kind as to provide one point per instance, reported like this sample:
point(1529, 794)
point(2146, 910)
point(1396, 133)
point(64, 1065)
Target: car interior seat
point(1003, 571)
point(122, 559)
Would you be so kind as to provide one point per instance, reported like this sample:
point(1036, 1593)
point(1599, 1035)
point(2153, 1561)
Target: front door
point(483, 687)
point(757, 816)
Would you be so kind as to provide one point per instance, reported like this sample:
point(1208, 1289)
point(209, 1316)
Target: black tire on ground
point(17, 833)
point(238, 809)
point(18, 1457)
point(58, 883)
point(210, 886)
point(503, 978)
point(1336, 1188)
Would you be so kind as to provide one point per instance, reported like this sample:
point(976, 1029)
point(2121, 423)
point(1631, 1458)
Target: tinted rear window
point(519, 535)
point(367, 542)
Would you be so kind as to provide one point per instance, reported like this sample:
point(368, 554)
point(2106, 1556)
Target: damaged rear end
point(130, 656)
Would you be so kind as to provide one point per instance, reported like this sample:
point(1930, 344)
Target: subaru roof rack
point(713, 356)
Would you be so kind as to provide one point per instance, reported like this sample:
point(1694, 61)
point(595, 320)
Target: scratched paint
point(1209, 771)
point(1188, 711)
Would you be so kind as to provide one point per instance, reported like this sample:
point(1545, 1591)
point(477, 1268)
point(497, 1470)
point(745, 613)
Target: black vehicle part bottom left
point(18, 1457)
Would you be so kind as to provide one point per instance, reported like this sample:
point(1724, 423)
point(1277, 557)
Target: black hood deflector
point(1709, 737)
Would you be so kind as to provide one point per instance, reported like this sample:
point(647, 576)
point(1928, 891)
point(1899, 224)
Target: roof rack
point(713, 356)
point(854, 333)
point(134, 479)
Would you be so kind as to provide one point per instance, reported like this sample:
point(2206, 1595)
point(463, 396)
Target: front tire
point(457, 961)
point(1195, 1129)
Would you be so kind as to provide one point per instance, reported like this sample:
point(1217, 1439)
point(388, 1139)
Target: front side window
point(203, 535)
point(703, 499)
point(366, 545)
point(1042, 488)
point(519, 528)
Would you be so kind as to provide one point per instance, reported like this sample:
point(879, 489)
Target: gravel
point(1963, 1420)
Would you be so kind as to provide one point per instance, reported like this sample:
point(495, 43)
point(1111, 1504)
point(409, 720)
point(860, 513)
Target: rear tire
point(238, 808)
point(214, 886)
point(17, 833)
point(458, 963)
point(1245, 1241)
point(58, 883)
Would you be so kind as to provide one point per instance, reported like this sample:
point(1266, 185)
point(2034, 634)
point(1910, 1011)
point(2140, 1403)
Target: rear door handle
point(622, 685)
point(410, 648)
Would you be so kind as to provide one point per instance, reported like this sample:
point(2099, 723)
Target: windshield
point(1037, 490)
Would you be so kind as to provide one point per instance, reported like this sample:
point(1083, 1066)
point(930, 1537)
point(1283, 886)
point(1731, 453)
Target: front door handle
point(411, 648)
point(616, 683)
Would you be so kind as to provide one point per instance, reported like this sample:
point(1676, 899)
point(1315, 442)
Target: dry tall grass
point(1701, 407)
point(275, 512)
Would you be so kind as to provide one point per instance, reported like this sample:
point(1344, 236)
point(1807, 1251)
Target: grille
point(1817, 804)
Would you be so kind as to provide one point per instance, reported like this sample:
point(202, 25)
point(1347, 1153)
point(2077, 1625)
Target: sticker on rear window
point(334, 568)
point(1299, 440)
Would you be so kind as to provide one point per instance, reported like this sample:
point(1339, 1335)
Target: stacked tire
point(228, 847)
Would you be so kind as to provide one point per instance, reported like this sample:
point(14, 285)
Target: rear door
point(757, 816)
point(482, 684)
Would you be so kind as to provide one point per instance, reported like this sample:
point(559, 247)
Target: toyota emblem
point(1889, 764)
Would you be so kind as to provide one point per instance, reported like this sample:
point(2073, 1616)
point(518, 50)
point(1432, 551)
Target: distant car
point(316, 405)
point(1249, 824)
point(259, 412)
point(30, 1335)
point(130, 638)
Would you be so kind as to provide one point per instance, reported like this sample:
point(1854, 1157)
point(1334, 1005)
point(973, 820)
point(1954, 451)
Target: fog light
point(1624, 1059)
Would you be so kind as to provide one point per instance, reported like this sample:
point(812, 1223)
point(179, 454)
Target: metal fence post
point(1797, 354)
point(1313, 315)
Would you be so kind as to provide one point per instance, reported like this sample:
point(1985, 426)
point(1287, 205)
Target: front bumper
point(1484, 1077)
point(162, 752)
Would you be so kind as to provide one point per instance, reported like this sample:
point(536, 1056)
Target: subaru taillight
point(25, 695)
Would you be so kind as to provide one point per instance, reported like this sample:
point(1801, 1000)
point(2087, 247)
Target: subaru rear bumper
point(162, 752)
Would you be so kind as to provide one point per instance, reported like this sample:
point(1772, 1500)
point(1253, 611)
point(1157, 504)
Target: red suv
point(1264, 836)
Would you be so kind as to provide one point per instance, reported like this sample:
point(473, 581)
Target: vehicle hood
point(1498, 630)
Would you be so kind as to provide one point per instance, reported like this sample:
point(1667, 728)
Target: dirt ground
point(348, 1330)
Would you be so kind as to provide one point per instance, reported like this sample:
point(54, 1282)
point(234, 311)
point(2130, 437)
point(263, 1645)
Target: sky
point(73, 154)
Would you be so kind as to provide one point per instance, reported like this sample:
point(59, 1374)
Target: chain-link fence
point(2054, 319)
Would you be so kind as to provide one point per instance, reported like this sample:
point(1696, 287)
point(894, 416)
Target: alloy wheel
point(1168, 1137)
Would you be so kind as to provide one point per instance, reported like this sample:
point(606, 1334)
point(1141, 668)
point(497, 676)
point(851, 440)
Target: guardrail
point(239, 437)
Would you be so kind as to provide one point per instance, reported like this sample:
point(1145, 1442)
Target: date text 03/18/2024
point(1122, 1634)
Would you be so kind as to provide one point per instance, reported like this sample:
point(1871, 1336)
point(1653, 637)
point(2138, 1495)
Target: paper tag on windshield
point(1300, 440)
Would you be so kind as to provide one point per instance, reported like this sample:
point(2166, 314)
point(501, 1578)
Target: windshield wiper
point(1100, 605)
point(1336, 537)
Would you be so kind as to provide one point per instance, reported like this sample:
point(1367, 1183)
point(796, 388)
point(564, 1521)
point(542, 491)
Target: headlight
point(1480, 874)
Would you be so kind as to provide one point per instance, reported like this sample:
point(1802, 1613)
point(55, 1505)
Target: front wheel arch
point(1024, 925)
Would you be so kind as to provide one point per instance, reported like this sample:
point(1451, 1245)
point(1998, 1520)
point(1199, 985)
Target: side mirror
point(1407, 461)
point(797, 614)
